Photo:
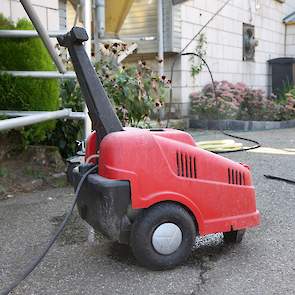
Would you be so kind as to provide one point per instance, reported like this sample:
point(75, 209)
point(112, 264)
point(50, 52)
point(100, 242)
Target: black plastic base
point(235, 236)
point(103, 204)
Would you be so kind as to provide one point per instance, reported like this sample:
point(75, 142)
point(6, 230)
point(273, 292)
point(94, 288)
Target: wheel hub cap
point(167, 238)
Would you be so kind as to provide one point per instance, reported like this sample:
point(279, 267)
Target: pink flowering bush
point(207, 106)
point(288, 105)
point(238, 101)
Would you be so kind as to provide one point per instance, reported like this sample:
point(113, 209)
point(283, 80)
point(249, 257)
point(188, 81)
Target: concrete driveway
point(84, 263)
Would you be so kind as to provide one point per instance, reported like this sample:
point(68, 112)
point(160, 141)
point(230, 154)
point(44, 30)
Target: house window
point(249, 42)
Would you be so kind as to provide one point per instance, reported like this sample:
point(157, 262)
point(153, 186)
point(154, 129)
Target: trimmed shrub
point(28, 54)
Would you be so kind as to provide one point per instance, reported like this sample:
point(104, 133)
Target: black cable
point(37, 260)
point(280, 179)
point(256, 143)
point(179, 54)
point(254, 147)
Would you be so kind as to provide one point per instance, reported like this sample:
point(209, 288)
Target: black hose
point(255, 146)
point(256, 143)
point(280, 179)
point(182, 51)
point(38, 259)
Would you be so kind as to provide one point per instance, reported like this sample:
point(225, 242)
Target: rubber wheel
point(145, 226)
point(235, 236)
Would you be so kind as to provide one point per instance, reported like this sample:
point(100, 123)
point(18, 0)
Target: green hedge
point(27, 54)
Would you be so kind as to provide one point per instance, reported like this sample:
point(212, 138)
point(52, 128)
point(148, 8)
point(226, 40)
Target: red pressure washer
point(154, 189)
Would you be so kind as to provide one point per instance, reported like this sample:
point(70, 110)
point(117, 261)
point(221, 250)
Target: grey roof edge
point(289, 18)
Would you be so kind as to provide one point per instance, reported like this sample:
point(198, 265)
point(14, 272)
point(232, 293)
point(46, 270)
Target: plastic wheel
point(162, 237)
point(235, 236)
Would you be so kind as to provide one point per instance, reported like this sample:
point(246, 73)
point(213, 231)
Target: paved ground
point(81, 263)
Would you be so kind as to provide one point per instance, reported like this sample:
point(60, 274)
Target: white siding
point(47, 11)
point(141, 21)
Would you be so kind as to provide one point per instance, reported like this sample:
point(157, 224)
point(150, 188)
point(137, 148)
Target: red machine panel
point(168, 166)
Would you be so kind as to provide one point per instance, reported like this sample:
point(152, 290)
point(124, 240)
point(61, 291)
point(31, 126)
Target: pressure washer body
point(154, 189)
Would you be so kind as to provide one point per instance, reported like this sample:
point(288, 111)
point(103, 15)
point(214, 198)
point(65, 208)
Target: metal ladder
point(28, 118)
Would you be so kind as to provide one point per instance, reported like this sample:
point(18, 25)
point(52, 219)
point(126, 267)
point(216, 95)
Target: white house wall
point(46, 10)
point(224, 35)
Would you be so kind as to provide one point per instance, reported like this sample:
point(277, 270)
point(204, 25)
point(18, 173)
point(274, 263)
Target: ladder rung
point(41, 74)
point(72, 115)
point(27, 33)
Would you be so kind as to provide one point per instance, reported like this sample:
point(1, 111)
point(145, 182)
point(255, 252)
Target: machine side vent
point(186, 165)
point(235, 177)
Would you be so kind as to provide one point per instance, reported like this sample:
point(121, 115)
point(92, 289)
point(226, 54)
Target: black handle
point(103, 117)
